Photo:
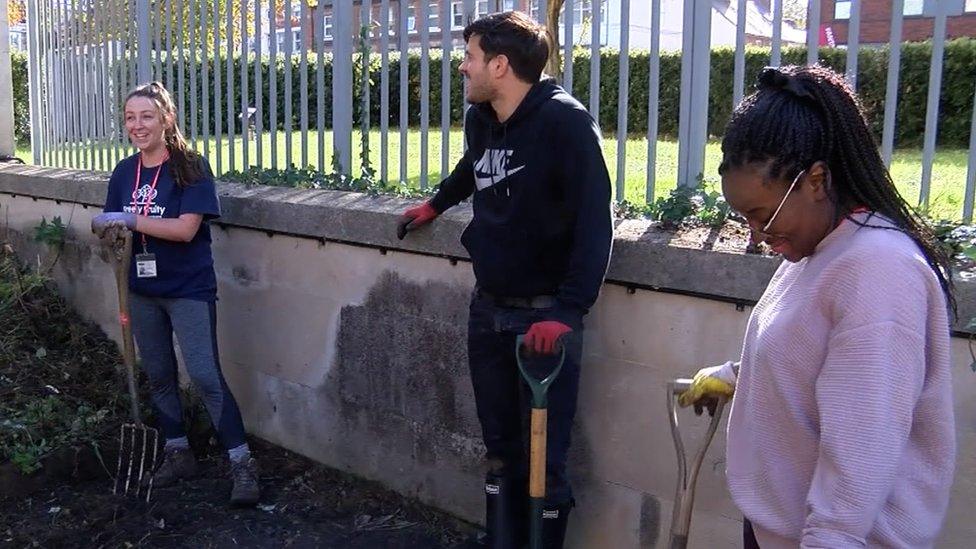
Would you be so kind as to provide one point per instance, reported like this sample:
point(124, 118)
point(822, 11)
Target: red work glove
point(542, 336)
point(414, 218)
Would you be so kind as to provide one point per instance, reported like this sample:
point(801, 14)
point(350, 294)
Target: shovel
point(538, 382)
point(136, 441)
point(684, 497)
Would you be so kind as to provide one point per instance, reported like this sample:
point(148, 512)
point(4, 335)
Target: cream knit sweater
point(841, 430)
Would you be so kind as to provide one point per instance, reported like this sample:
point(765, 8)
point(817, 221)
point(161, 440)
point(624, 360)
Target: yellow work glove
point(709, 383)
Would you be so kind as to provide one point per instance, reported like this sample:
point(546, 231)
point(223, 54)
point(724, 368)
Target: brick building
point(875, 25)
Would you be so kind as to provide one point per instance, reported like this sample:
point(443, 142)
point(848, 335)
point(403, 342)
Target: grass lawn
point(946, 198)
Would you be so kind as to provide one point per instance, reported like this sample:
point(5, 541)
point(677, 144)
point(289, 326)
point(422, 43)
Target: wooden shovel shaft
point(537, 453)
point(121, 258)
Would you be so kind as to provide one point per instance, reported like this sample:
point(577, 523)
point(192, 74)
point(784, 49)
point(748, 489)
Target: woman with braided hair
point(841, 432)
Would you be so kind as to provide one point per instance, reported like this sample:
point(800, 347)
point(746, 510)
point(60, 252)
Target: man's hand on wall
point(415, 218)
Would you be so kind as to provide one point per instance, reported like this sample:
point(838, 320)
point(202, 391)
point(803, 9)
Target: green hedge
point(18, 62)
point(956, 102)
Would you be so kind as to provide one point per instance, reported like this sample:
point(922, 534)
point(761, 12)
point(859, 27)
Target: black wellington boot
point(554, 521)
point(505, 512)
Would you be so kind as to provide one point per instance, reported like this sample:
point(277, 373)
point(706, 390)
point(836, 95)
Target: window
point(411, 20)
point(842, 9)
point(913, 7)
point(296, 40)
point(508, 5)
point(970, 6)
point(433, 16)
point(457, 15)
point(327, 25)
point(280, 39)
point(481, 9)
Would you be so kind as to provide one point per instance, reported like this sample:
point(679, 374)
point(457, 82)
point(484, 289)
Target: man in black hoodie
point(539, 242)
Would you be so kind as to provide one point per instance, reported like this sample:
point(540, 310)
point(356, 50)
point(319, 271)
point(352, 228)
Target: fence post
point(693, 113)
point(7, 90)
point(144, 68)
point(342, 91)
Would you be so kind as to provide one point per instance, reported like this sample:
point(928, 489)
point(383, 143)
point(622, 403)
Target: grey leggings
point(154, 321)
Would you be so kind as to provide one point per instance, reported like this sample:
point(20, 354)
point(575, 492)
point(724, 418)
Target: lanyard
point(149, 195)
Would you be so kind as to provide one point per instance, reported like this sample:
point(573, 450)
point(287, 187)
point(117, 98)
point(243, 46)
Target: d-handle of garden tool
point(120, 253)
point(684, 498)
point(537, 439)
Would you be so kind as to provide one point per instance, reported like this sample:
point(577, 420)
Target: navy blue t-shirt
point(184, 269)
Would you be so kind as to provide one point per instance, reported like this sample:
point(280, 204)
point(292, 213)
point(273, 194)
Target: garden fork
point(136, 440)
point(684, 497)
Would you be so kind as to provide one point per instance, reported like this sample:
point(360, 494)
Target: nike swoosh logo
point(485, 182)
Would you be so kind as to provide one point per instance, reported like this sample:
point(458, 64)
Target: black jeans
point(503, 399)
point(748, 536)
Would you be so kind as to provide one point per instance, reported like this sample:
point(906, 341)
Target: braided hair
point(801, 115)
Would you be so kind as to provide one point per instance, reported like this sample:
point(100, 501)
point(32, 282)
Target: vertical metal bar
point(967, 215)
point(34, 79)
point(932, 104)
point(813, 32)
point(259, 84)
point(653, 96)
point(342, 93)
point(229, 53)
point(132, 45)
point(853, 36)
point(287, 97)
point(119, 87)
point(568, 22)
point(384, 90)
point(693, 116)
point(891, 92)
point(145, 41)
point(273, 83)
point(595, 9)
point(169, 46)
point(76, 74)
point(50, 97)
point(194, 67)
point(365, 25)
point(158, 44)
point(245, 96)
point(424, 24)
point(101, 81)
point(320, 82)
point(623, 92)
point(40, 49)
point(777, 50)
point(217, 99)
point(739, 68)
point(446, 22)
point(87, 111)
point(404, 75)
point(303, 81)
point(64, 37)
point(205, 85)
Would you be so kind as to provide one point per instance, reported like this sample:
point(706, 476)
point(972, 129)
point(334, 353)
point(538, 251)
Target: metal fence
point(221, 57)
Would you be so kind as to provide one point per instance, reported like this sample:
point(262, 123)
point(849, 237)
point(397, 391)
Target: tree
point(16, 12)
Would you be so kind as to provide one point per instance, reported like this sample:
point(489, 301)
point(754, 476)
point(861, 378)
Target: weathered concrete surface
point(355, 356)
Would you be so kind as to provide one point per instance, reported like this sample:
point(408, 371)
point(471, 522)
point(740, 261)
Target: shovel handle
point(537, 453)
point(684, 497)
point(539, 387)
point(120, 252)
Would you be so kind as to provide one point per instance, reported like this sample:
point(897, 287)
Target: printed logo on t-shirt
point(140, 198)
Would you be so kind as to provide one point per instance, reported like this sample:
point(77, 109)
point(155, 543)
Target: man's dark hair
point(516, 36)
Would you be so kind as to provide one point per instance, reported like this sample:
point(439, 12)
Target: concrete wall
point(348, 350)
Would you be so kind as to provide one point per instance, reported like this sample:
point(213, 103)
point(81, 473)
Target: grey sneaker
point(176, 465)
point(245, 476)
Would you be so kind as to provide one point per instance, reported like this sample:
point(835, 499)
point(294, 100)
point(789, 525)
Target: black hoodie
point(542, 221)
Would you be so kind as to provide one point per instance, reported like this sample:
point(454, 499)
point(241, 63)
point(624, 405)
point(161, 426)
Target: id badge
point(146, 265)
